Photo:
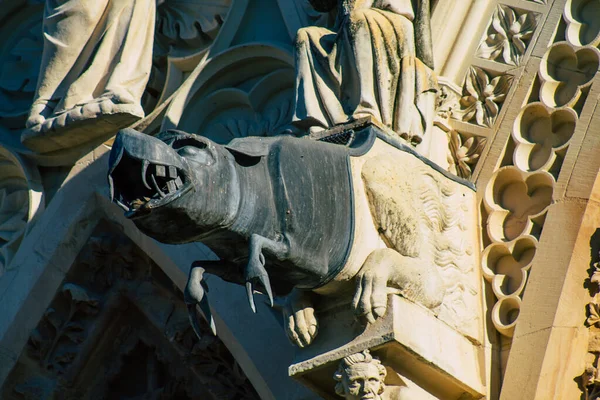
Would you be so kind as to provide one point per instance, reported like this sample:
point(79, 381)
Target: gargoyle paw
point(299, 319)
point(370, 299)
point(195, 297)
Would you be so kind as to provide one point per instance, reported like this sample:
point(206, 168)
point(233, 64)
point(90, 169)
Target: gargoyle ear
point(251, 148)
point(248, 152)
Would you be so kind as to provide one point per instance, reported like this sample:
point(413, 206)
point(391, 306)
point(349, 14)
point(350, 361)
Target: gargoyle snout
point(143, 170)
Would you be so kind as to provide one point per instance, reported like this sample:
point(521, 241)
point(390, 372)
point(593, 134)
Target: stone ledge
point(434, 356)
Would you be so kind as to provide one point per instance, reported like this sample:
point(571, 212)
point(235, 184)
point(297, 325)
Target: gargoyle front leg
point(255, 272)
point(299, 318)
point(386, 271)
point(196, 300)
point(195, 291)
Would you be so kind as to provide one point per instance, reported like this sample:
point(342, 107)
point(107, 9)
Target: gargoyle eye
point(188, 142)
point(194, 152)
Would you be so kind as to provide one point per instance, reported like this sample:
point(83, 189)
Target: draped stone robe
point(93, 50)
point(366, 65)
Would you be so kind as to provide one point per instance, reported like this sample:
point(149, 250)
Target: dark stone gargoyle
point(285, 215)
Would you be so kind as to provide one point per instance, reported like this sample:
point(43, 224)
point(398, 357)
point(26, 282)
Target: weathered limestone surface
point(369, 63)
point(515, 113)
point(361, 375)
point(95, 66)
point(431, 360)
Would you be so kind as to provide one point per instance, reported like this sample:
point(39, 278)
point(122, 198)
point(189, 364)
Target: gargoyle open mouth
point(145, 173)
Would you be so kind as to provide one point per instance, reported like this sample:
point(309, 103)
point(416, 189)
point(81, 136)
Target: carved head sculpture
point(147, 174)
point(360, 376)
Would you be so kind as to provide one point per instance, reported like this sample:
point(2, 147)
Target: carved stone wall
point(518, 101)
point(21, 199)
point(534, 167)
point(118, 329)
point(522, 188)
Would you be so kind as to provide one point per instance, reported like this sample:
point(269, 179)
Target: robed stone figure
point(375, 61)
point(95, 66)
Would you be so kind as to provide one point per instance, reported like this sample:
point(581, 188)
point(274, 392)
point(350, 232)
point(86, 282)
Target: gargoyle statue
point(294, 216)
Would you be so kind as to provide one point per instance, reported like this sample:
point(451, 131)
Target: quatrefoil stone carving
point(505, 314)
point(583, 24)
point(566, 73)
point(506, 266)
point(517, 201)
point(540, 135)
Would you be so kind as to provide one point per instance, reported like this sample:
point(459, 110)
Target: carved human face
point(362, 381)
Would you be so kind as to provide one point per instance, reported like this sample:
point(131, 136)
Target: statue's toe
point(34, 120)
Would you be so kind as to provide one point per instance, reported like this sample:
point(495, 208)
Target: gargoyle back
point(312, 186)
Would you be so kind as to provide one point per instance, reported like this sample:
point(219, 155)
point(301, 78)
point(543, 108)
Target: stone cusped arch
point(261, 96)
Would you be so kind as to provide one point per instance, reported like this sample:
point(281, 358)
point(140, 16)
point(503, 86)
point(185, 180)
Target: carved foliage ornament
point(185, 30)
point(123, 322)
point(590, 379)
point(47, 342)
point(447, 100)
point(508, 35)
point(13, 220)
point(185, 23)
point(464, 153)
point(483, 96)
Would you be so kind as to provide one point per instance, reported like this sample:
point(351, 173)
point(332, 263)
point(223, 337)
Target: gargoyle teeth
point(171, 186)
point(145, 165)
point(160, 192)
point(178, 183)
point(158, 182)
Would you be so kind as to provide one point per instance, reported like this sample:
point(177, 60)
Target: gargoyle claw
point(256, 274)
point(250, 295)
point(195, 297)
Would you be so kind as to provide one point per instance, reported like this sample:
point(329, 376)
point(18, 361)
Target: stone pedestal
point(424, 355)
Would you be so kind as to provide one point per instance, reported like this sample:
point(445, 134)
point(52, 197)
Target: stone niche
point(117, 328)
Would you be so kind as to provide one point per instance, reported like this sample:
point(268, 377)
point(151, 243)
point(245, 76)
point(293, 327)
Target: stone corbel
point(422, 355)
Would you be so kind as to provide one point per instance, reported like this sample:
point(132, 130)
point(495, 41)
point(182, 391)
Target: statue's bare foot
point(40, 110)
point(116, 97)
point(299, 318)
point(96, 120)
